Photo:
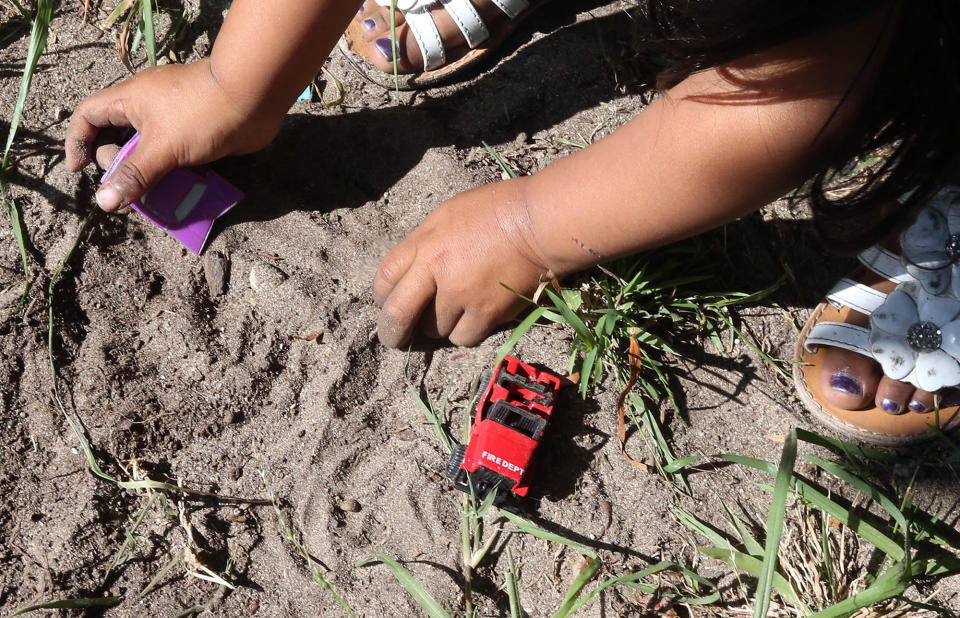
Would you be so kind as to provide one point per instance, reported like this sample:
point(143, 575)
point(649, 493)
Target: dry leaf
point(311, 336)
point(636, 364)
point(539, 292)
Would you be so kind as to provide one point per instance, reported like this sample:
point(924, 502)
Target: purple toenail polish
point(918, 406)
point(385, 48)
point(890, 406)
point(369, 24)
point(845, 384)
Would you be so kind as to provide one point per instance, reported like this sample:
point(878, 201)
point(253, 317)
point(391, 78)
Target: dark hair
point(911, 115)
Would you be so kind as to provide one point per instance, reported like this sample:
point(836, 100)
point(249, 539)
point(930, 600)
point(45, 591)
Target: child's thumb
point(132, 178)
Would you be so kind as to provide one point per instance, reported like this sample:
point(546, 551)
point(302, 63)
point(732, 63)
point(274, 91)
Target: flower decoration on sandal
point(915, 336)
point(931, 246)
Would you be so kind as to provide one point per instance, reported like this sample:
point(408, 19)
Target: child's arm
point(230, 103)
point(719, 145)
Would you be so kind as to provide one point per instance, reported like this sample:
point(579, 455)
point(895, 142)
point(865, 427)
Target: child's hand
point(185, 117)
point(446, 275)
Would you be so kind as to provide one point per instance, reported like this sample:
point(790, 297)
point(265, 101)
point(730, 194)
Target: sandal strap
point(512, 8)
point(417, 15)
point(857, 296)
point(839, 335)
point(468, 21)
point(427, 36)
point(885, 263)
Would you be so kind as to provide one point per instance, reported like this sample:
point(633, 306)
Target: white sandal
point(436, 69)
point(913, 304)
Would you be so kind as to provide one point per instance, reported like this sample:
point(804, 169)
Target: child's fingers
point(106, 153)
point(471, 329)
point(147, 164)
point(392, 269)
point(439, 319)
point(104, 109)
point(402, 308)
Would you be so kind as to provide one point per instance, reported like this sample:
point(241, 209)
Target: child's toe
point(921, 401)
point(849, 380)
point(894, 397)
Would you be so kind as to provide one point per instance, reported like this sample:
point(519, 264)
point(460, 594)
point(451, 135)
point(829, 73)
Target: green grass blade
point(623, 579)
point(749, 542)
point(571, 319)
point(19, 7)
point(20, 235)
point(863, 486)
point(586, 371)
point(146, 6)
point(529, 527)
point(128, 534)
point(778, 509)
point(71, 604)
point(753, 566)
point(844, 448)
point(525, 325)
point(118, 11)
point(889, 585)
point(393, 50)
point(513, 591)
point(304, 553)
point(162, 572)
point(38, 42)
point(702, 528)
point(423, 598)
point(579, 583)
point(496, 157)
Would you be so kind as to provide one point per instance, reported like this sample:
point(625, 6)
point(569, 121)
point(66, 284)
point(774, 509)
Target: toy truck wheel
point(481, 387)
point(456, 459)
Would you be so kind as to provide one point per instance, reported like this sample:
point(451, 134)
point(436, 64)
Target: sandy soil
point(195, 385)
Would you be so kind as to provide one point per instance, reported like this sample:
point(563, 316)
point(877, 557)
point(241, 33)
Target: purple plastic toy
point(185, 202)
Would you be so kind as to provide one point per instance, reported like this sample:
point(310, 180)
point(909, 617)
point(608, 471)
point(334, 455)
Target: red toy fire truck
point(511, 409)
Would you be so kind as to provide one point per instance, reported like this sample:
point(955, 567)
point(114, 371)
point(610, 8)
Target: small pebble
point(266, 277)
point(215, 268)
point(60, 114)
point(349, 505)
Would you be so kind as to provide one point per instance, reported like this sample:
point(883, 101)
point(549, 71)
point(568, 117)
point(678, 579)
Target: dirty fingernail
point(918, 406)
point(890, 406)
point(385, 47)
point(108, 198)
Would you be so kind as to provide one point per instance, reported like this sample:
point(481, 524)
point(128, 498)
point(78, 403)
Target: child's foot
point(433, 36)
point(881, 360)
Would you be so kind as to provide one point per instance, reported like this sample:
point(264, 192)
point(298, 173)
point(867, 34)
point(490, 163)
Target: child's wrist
point(247, 103)
point(562, 252)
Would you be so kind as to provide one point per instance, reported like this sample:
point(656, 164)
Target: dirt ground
point(196, 386)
